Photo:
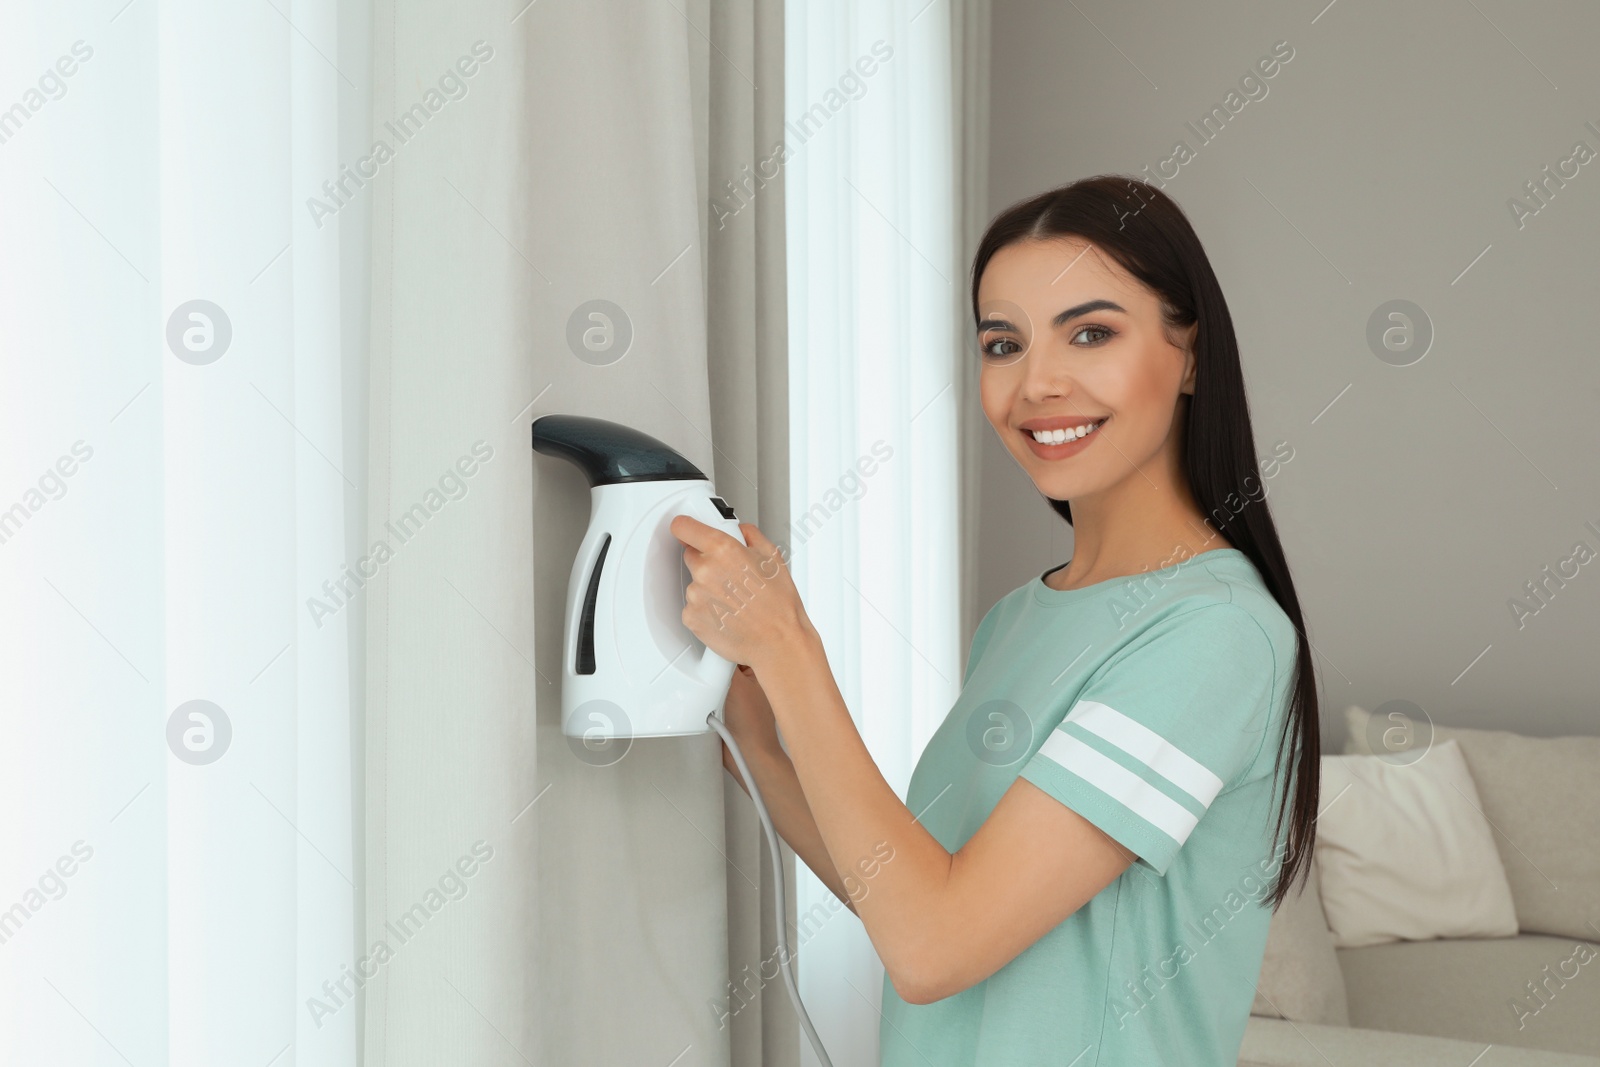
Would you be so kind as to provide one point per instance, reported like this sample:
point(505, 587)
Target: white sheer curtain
point(182, 410)
point(879, 100)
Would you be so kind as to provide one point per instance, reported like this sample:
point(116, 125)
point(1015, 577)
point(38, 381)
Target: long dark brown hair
point(1144, 230)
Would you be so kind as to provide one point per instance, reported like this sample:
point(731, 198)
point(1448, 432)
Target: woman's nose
point(1045, 376)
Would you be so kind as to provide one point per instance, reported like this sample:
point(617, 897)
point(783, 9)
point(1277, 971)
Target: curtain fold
point(970, 114)
point(450, 842)
point(748, 363)
point(588, 161)
point(747, 353)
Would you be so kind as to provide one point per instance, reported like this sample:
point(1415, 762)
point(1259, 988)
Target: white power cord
point(784, 959)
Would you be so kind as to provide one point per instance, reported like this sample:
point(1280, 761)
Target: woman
point(1087, 858)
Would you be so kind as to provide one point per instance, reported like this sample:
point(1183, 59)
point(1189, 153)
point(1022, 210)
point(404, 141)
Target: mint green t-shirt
point(1151, 705)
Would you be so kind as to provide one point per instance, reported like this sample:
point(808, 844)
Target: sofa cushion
point(1405, 852)
point(1541, 795)
point(1533, 991)
point(1281, 1043)
point(1300, 976)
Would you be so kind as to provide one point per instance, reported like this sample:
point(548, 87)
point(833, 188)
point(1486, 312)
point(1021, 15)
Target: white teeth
point(1056, 437)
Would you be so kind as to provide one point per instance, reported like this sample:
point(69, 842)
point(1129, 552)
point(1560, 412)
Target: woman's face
point(1068, 338)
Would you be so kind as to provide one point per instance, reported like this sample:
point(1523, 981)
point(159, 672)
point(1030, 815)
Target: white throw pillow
point(1405, 852)
point(1541, 796)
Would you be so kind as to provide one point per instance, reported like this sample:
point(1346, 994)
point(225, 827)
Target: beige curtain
point(750, 412)
point(588, 156)
point(970, 135)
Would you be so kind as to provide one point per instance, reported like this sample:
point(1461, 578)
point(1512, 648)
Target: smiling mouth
point(1047, 438)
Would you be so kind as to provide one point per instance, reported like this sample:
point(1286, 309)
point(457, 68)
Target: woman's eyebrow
point(1084, 309)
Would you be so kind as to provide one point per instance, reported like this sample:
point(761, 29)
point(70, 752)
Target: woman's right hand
point(748, 715)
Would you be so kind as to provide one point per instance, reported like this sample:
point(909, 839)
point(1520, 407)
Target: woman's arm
point(791, 816)
point(940, 922)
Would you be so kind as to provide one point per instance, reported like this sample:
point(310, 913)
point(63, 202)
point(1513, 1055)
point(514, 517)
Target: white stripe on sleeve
point(1120, 784)
point(1149, 748)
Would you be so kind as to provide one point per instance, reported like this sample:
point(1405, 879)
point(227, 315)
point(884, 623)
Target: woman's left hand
point(741, 603)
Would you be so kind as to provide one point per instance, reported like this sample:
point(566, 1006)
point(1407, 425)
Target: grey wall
point(1378, 166)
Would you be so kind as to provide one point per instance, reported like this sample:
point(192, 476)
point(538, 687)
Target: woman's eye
point(989, 348)
point(1105, 330)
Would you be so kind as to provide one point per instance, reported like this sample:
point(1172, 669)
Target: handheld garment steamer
point(629, 667)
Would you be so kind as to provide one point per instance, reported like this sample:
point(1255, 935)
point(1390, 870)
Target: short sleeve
point(1161, 728)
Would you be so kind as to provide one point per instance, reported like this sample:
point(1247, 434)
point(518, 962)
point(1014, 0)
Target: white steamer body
point(630, 668)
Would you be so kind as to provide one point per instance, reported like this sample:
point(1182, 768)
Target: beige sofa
point(1531, 999)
